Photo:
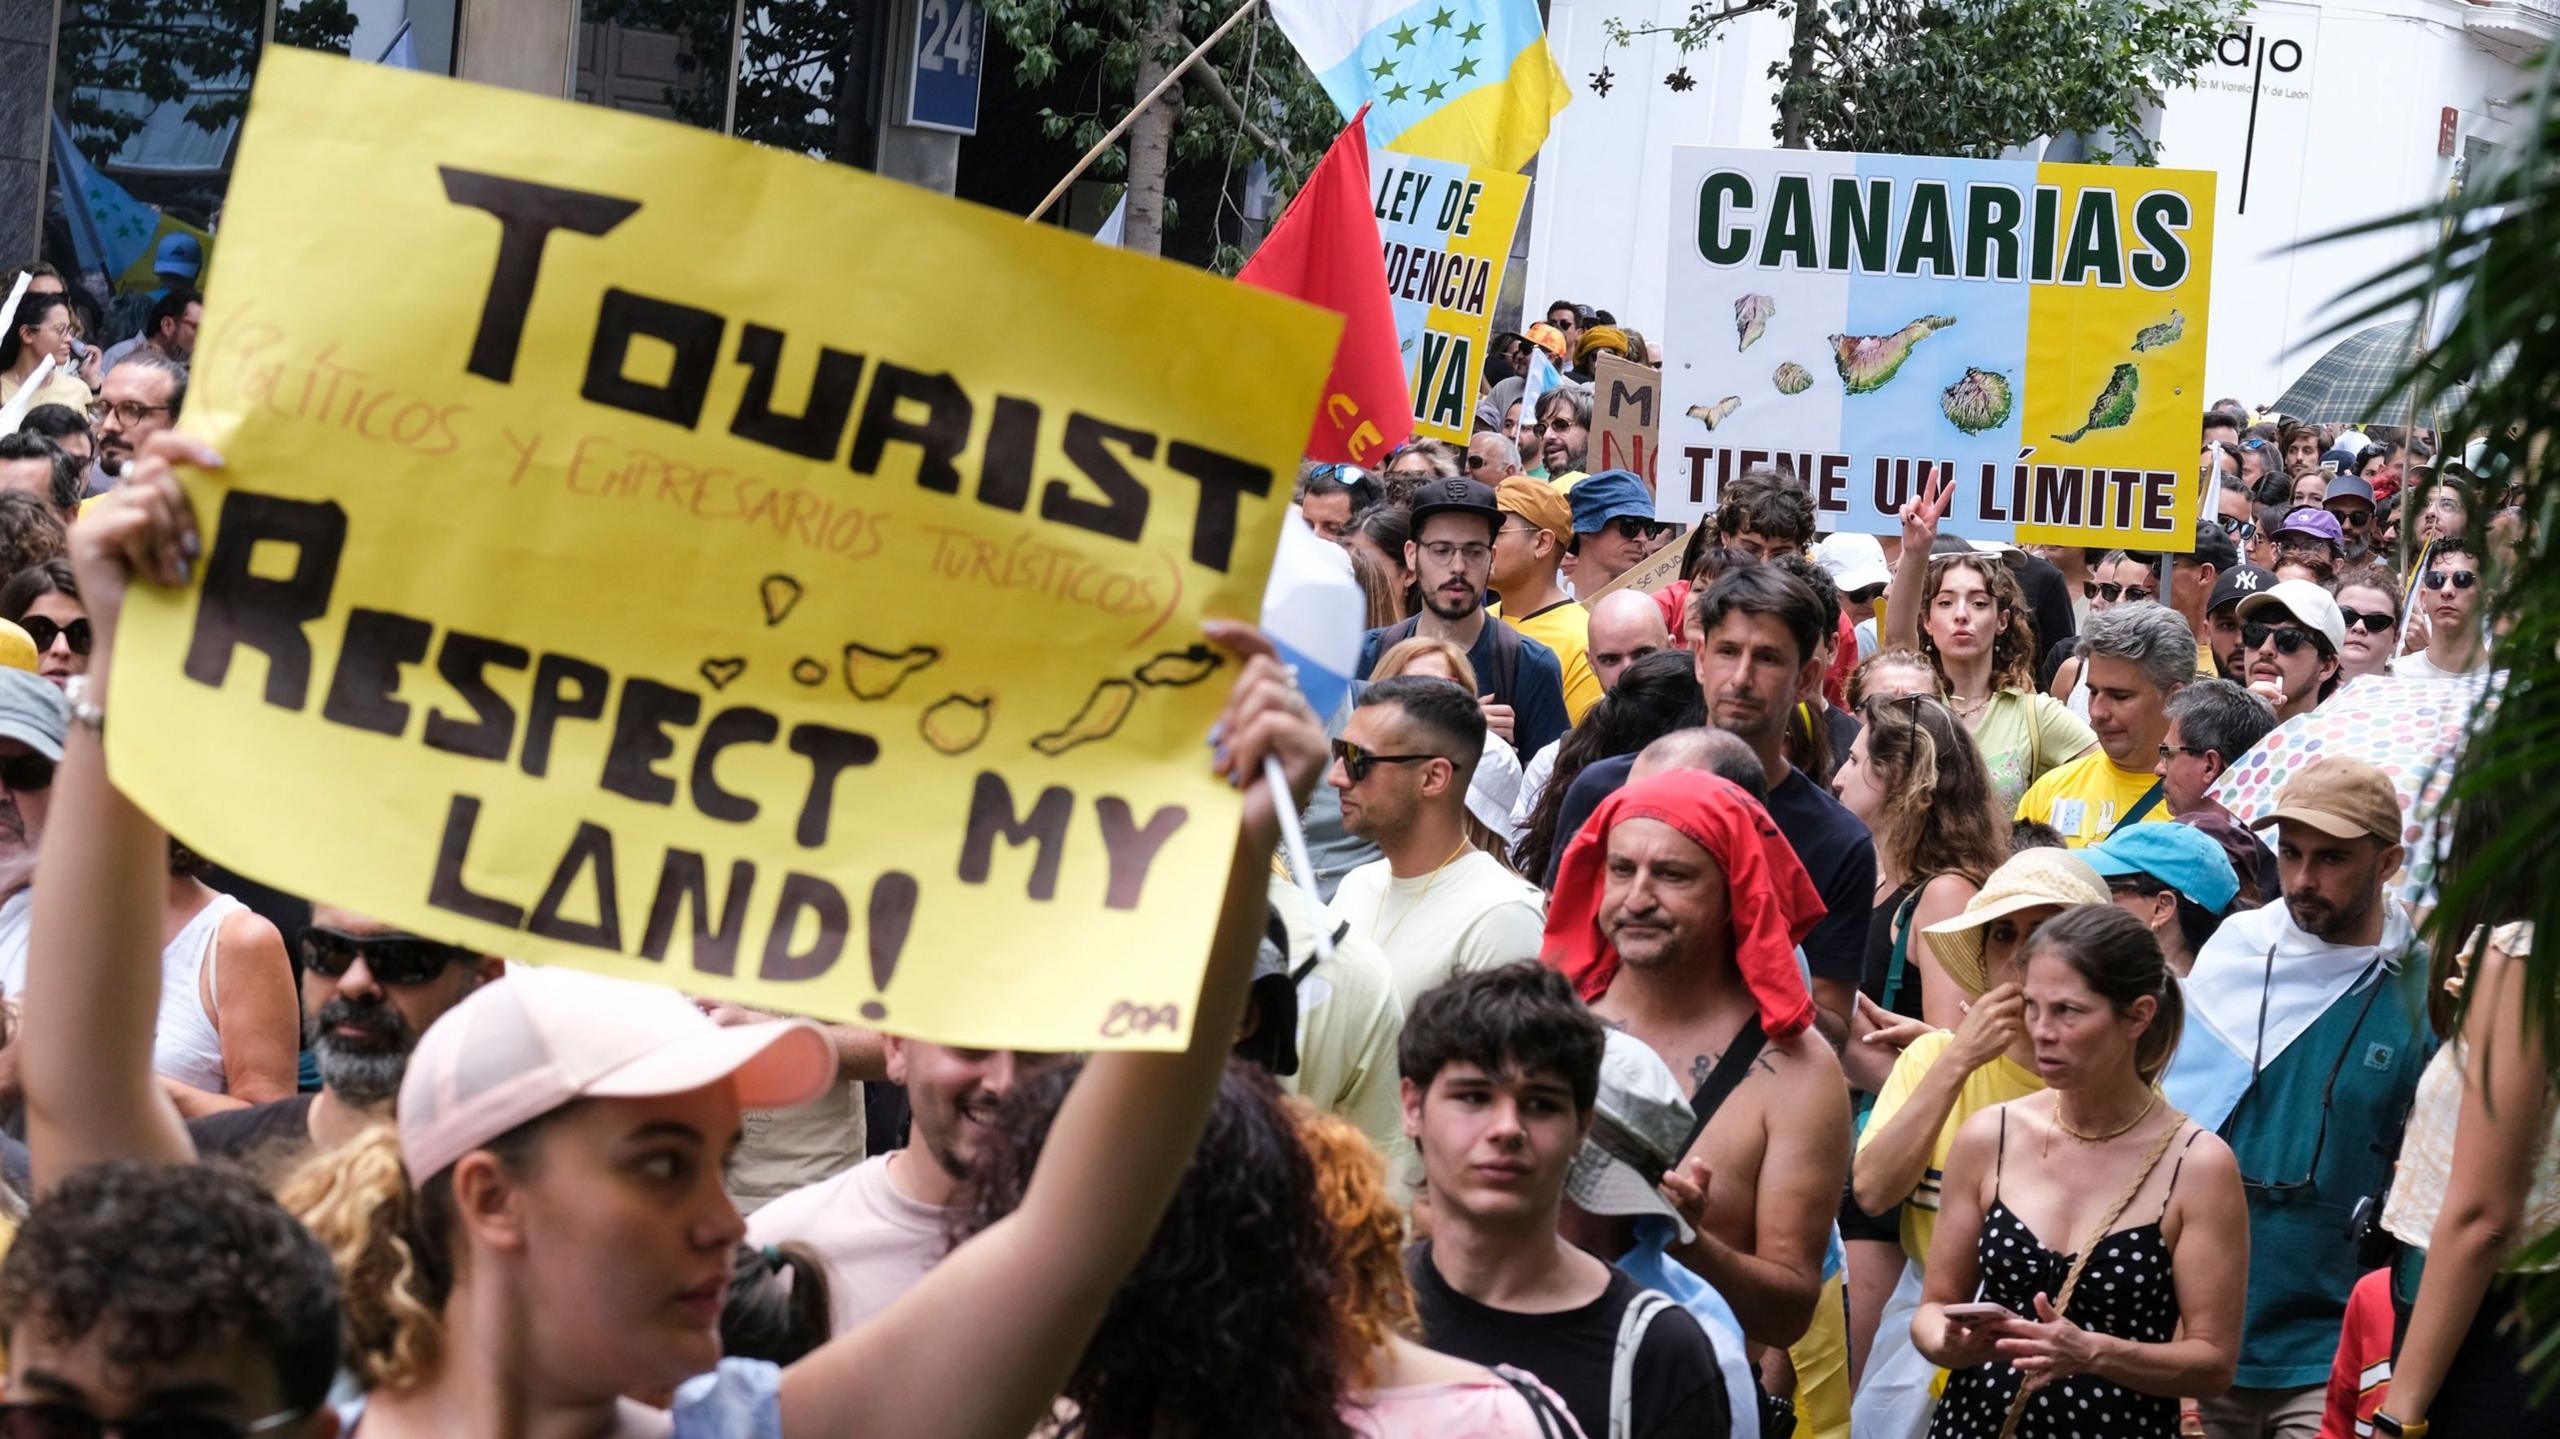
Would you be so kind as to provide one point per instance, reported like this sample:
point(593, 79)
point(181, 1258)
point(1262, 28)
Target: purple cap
point(2316, 522)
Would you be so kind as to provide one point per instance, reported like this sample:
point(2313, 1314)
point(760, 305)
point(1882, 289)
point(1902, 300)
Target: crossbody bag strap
point(1506, 658)
point(2089, 1248)
point(1722, 1080)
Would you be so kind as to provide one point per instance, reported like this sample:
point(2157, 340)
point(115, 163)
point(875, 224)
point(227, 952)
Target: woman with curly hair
point(1259, 1310)
point(1965, 612)
point(1656, 695)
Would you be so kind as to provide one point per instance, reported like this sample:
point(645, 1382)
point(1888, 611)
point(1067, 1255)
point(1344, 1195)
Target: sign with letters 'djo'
point(2035, 331)
point(589, 582)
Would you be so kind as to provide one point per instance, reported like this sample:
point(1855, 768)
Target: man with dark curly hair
point(167, 1300)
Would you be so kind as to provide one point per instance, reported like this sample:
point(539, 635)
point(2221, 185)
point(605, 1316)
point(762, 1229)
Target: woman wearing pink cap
point(547, 1232)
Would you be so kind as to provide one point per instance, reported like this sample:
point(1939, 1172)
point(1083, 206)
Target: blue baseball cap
point(1609, 495)
point(179, 254)
point(2180, 856)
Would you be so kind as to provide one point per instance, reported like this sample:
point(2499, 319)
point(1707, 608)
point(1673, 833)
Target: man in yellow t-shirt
point(2136, 657)
point(1537, 524)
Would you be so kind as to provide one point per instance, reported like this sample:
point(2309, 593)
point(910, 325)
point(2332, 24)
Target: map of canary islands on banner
point(2036, 331)
point(597, 579)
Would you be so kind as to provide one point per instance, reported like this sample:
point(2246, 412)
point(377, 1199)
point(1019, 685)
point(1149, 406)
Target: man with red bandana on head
point(1676, 913)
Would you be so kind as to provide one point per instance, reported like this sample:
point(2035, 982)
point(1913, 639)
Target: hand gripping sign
point(654, 553)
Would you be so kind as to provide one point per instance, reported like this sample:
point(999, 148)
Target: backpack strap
point(1506, 658)
point(1647, 1306)
point(1552, 1421)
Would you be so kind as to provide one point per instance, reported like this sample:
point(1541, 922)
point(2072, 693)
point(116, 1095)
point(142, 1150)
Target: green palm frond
point(2495, 259)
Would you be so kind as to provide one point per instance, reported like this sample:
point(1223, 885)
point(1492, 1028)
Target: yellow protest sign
point(692, 562)
point(1447, 231)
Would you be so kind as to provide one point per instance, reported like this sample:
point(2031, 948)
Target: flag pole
point(1107, 141)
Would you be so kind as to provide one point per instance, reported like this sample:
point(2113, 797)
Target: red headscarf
point(1772, 901)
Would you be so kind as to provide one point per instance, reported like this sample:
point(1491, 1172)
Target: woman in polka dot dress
point(2048, 1339)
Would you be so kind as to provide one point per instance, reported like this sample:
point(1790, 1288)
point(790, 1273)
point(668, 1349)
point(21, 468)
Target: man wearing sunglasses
point(1451, 555)
point(2292, 634)
point(2306, 1032)
point(1437, 905)
point(1613, 528)
point(1492, 456)
point(165, 1301)
point(2350, 499)
point(2449, 595)
point(368, 992)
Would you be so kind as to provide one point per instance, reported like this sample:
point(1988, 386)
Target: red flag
point(1326, 251)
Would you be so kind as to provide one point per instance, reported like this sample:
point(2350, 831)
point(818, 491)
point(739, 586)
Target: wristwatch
point(2411, 1429)
point(85, 712)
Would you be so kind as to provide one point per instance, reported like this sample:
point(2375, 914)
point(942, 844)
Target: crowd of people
point(1816, 992)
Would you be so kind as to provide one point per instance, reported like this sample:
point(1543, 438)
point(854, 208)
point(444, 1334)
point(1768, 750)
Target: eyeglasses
point(68, 1421)
point(44, 632)
point(2354, 519)
point(2132, 594)
point(26, 773)
point(2236, 527)
point(1442, 552)
point(389, 958)
point(2170, 752)
point(1629, 527)
point(1516, 530)
point(1475, 462)
point(131, 412)
point(2459, 579)
point(2288, 640)
point(1356, 762)
point(2372, 623)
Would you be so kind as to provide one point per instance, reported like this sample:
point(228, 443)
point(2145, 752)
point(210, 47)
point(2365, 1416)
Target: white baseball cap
point(2307, 603)
point(519, 1048)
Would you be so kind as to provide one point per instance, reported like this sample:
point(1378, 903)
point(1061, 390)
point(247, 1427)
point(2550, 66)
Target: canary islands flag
point(1470, 81)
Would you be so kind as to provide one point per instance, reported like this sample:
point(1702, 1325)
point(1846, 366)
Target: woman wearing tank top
point(2056, 1317)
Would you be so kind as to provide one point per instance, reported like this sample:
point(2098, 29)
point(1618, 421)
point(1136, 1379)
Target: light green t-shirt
point(2023, 735)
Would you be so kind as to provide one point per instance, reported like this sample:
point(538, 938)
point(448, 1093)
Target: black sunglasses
point(44, 631)
point(1475, 462)
point(2289, 641)
point(2373, 623)
point(389, 958)
point(26, 773)
point(2236, 527)
point(67, 1421)
point(1356, 762)
point(1631, 528)
point(2133, 594)
point(2459, 579)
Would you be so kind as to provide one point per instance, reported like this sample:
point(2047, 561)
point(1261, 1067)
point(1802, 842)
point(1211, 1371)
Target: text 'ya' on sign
point(613, 568)
point(2036, 331)
point(1447, 231)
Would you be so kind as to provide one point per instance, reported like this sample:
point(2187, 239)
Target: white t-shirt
point(1470, 914)
point(1348, 1021)
point(2422, 666)
point(875, 1242)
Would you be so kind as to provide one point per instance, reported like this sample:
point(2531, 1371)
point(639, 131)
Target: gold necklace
point(1389, 936)
point(2110, 1134)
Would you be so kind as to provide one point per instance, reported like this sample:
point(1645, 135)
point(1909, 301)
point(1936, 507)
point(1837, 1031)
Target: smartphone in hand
point(1978, 1315)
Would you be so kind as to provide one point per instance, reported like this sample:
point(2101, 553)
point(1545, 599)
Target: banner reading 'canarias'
point(595, 578)
point(2037, 331)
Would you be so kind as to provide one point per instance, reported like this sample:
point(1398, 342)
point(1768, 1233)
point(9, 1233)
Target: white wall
point(2349, 133)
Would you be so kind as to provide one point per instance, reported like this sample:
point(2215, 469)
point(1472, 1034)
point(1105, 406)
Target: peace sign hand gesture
point(1921, 515)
